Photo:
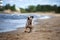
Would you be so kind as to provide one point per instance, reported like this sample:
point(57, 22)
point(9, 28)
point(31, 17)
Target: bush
point(57, 10)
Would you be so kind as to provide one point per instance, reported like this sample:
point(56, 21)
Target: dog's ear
point(32, 16)
point(28, 18)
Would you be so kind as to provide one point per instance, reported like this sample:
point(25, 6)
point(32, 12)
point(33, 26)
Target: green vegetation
point(57, 10)
point(32, 8)
point(42, 8)
point(23, 10)
point(1, 9)
point(8, 6)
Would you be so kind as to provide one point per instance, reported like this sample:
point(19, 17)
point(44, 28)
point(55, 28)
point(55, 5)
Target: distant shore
point(9, 12)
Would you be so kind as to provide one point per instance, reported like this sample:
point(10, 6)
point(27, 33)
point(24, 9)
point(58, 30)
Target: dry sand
point(48, 29)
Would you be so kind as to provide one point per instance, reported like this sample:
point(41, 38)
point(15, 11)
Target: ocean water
point(9, 22)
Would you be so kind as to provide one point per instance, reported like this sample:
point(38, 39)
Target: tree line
point(32, 8)
point(41, 8)
point(8, 6)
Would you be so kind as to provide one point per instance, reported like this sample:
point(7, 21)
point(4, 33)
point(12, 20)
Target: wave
point(15, 16)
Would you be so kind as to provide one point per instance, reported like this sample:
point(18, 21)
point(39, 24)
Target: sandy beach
point(47, 29)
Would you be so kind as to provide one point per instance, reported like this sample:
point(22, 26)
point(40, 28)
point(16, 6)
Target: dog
point(29, 24)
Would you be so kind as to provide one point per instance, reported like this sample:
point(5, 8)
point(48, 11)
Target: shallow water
point(9, 22)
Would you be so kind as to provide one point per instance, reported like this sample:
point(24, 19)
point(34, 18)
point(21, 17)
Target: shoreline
point(23, 26)
point(34, 21)
point(39, 13)
point(20, 28)
point(48, 29)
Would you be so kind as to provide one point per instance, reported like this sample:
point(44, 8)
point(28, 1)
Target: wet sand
point(48, 29)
